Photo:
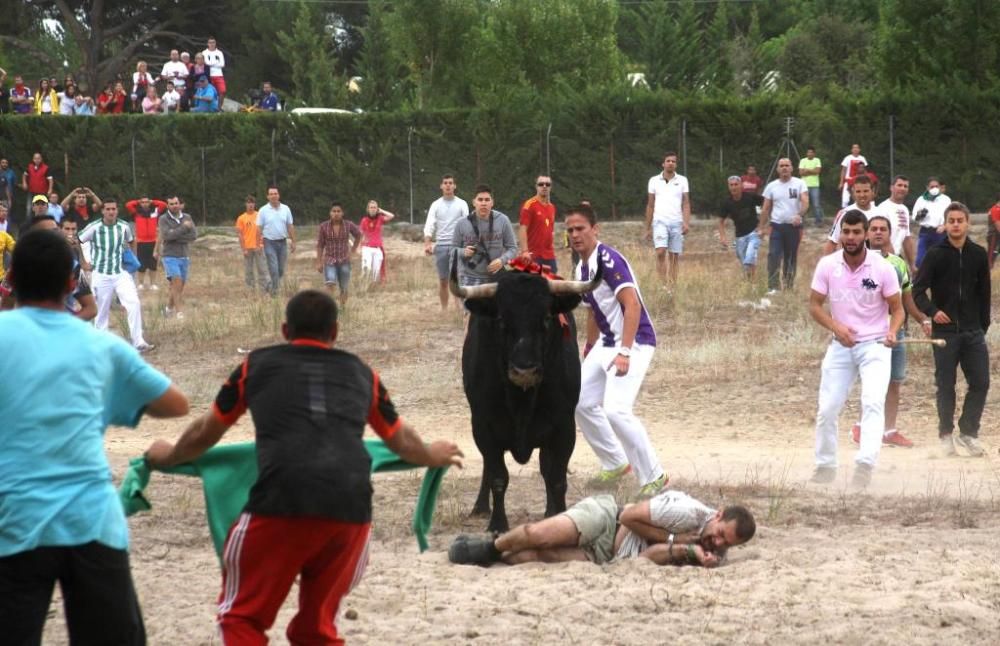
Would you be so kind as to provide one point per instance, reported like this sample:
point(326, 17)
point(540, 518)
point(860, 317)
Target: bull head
point(489, 290)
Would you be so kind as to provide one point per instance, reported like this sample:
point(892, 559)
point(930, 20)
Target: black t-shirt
point(743, 212)
point(309, 404)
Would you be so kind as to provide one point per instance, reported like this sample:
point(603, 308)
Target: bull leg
point(554, 461)
point(482, 506)
point(498, 480)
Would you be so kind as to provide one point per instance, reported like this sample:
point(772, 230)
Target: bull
point(521, 374)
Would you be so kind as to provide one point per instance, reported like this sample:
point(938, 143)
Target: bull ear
point(562, 303)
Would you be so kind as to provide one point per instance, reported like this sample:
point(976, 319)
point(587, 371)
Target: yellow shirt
point(6, 246)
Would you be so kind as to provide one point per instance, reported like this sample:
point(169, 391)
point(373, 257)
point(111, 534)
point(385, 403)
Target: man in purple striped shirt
point(334, 249)
point(620, 340)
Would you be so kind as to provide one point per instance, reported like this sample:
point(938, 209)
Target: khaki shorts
point(596, 518)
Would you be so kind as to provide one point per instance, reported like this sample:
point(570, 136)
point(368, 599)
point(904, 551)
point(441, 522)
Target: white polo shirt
point(668, 197)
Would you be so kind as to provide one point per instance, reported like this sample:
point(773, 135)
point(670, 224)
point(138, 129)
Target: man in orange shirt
point(538, 216)
point(252, 244)
point(146, 218)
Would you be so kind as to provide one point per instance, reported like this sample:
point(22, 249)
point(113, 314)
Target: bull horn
point(577, 286)
point(488, 290)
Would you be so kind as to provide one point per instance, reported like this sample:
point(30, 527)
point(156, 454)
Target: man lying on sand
point(670, 529)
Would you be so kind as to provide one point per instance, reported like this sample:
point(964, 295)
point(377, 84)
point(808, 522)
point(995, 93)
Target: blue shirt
point(269, 102)
point(56, 211)
point(8, 180)
point(273, 222)
point(72, 382)
point(206, 106)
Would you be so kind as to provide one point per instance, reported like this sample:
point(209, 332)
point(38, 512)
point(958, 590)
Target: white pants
point(604, 412)
point(845, 196)
point(105, 286)
point(371, 263)
point(841, 366)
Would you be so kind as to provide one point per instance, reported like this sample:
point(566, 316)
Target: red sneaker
point(856, 433)
point(895, 438)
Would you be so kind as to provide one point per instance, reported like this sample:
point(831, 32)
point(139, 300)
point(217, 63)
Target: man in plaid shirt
point(334, 249)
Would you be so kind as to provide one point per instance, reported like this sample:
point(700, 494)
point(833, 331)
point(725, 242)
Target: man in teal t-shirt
point(60, 517)
point(810, 169)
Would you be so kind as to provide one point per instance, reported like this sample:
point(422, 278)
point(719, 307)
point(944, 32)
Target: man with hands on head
point(309, 512)
point(670, 529)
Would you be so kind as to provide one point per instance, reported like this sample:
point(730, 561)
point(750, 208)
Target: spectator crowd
point(182, 85)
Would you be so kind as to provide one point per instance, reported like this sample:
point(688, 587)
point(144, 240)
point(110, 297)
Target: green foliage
point(308, 49)
point(382, 87)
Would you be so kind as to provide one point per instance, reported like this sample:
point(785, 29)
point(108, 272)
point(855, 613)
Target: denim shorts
point(176, 267)
point(746, 248)
point(340, 274)
point(669, 235)
point(442, 259)
point(898, 370)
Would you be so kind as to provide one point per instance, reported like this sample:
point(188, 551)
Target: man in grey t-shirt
point(672, 528)
point(786, 201)
point(485, 241)
point(175, 232)
point(444, 213)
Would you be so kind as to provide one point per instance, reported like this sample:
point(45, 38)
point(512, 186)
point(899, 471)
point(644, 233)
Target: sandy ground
point(915, 560)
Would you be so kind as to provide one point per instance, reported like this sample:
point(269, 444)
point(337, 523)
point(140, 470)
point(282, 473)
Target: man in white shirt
point(175, 71)
point(864, 198)
point(928, 213)
point(898, 214)
point(278, 231)
point(786, 201)
point(216, 61)
point(849, 170)
point(439, 230)
point(668, 216)
point(670, 529)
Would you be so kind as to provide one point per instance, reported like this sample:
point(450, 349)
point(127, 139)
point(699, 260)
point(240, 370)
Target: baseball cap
point(39, 198)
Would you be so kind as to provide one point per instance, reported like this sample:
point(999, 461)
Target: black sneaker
point(466, 550)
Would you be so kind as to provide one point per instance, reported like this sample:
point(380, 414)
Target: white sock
point(888, 432)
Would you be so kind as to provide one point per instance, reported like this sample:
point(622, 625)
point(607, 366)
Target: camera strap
point(473, 220)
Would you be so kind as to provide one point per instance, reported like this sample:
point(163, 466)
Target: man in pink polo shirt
point(865, 314)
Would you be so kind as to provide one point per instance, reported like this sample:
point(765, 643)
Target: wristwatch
point(625, 351)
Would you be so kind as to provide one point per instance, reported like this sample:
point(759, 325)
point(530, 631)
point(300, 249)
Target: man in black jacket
point(957, 273)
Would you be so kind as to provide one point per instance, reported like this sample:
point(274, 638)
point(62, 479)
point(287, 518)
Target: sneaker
point(856, 433)
point(141, 287)
point(168, 311)
point(947, 446)
point(466, 550)
point(824, 475)
point(895, 438)
point(862, 476)
point(180, 315)
point(606, 476)
point(772, 292)
point(154, 287)
point(970, 444)
point(654, 487)
point(145, 347)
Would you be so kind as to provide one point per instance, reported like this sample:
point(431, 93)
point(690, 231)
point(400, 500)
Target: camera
point(921, 215)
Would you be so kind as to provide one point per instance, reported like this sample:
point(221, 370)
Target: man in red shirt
point(538, 217)
point(993, 231)
point(862, 169)
point(36, 180)
point(146, 215)
point(753, 184)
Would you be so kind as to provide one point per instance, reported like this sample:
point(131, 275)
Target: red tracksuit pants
point(262, 557)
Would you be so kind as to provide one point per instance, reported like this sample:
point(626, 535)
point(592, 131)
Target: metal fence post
point(204, 203)
point(548, 150)
point(892, 147)
point(409, 157)
point(684, 145)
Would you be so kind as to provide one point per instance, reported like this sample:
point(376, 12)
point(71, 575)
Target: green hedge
point(317, 158)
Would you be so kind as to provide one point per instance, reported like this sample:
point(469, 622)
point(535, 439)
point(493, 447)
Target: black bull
point(521, 372)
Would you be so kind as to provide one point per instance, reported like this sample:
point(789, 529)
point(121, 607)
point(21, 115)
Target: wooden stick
point(937, 342)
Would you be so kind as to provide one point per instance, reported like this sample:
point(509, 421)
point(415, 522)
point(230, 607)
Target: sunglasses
point(544, 184)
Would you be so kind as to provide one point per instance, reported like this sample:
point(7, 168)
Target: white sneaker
point(772, 292)
point(154, 287)
point(141, 287)
point(947, 446)
point(168, 311)
point(145, 347)
point(970, 444)
point(180, 315)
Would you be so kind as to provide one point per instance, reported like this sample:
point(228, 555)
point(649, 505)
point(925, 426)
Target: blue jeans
point(928, 237)
point(816, 205)
point(746, 249)
point(782, 252)
point(339, 275)
point(276, 252)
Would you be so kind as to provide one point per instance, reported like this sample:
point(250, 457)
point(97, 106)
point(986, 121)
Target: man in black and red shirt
point(309, 511)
